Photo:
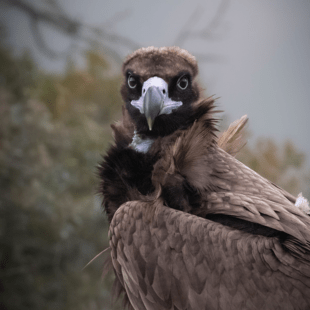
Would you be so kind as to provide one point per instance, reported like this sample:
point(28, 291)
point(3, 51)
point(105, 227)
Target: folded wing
point(168, 259)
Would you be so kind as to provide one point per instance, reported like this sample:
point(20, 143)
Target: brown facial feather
point(162, 62)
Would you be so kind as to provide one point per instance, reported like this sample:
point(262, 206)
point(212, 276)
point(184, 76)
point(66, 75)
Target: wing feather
point(250, 192)
point(200, 264)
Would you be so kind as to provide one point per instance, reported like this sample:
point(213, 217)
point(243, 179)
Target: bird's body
point(190, 226)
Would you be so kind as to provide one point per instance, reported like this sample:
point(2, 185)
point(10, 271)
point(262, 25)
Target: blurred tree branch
point(57, 18)
point(208, 32)
point(51, 13)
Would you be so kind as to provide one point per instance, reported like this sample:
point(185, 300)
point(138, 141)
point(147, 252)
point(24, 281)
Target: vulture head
point(159, 89)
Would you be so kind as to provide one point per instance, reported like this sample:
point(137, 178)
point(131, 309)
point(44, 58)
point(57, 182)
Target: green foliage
point(94, 85)
point(51, 223)
point(16, 75)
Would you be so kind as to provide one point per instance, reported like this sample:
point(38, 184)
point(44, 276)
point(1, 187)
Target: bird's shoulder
point(229, 187)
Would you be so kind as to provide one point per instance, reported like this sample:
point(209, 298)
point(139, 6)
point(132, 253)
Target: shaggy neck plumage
point(204, 112)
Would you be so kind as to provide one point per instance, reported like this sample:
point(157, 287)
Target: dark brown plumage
point(190, 226)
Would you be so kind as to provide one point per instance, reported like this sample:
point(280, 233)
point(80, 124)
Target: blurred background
point(60, 77)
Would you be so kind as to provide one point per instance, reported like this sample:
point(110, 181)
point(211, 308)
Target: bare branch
point(80, 31)
point(185, 32)
point(41, 43)
point(60, 21)
point(217, 18)
point(54, 15)
point(54, 4)
point(207, 33)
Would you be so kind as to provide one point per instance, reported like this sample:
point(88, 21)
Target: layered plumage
point(190, 226)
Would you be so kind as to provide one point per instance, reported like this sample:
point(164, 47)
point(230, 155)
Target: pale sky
point(263, 47)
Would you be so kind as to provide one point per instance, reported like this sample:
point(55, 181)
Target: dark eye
point(132, 83)
point(183, 82)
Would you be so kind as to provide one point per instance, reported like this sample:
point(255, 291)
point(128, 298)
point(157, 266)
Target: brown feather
point(237, 270)
point(237, 243)
point(123, 130)
point(232, 140)
point(168, 62)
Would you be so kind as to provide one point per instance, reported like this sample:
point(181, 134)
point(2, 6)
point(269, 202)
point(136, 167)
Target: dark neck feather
point(203, 111)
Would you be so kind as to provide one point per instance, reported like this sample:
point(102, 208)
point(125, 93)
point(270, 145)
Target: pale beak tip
point(150, 123)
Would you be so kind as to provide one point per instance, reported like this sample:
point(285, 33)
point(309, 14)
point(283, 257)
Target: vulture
point(191, 227)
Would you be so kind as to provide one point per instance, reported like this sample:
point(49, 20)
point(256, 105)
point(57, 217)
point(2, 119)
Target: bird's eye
point(132, 82)
point(183, 82)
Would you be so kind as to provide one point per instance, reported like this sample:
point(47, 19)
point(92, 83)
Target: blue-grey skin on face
point(155, 100)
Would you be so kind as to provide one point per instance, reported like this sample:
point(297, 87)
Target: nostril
point(143, 90)
point(164, 91)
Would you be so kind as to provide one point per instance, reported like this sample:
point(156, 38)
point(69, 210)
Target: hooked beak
point(152, 104)
point(154, 100)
